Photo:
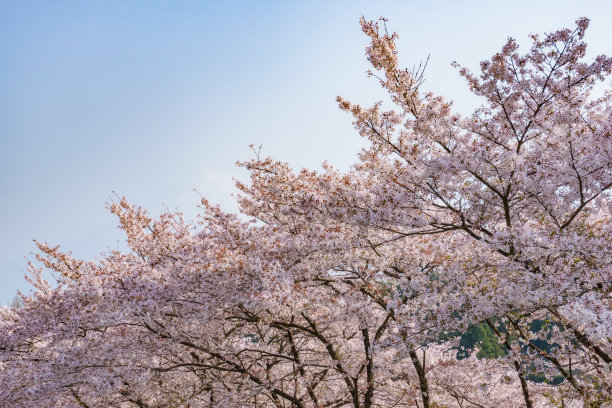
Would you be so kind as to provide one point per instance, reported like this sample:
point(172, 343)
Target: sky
point(151, 99)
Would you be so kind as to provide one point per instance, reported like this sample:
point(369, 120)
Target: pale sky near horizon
point(151, 99)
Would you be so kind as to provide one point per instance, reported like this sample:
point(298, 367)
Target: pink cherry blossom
point(351, 289)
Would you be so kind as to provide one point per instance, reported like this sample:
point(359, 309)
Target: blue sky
point(152, 99)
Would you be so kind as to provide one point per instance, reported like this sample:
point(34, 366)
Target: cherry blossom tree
point(352, 289)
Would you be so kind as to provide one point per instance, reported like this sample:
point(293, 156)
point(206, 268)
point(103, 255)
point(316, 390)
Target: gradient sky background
point(152, 99)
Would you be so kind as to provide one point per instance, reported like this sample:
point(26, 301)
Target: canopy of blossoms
point(353, 289)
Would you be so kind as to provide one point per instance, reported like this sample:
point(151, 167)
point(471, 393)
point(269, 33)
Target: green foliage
point(483, 337)
point(541, 378)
